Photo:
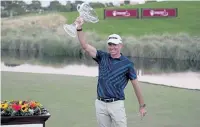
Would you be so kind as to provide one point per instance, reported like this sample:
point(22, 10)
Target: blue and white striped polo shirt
point(114, 74)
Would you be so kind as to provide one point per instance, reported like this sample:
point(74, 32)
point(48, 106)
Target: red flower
point(16, 107)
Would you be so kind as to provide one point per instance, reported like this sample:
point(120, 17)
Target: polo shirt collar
point(120, 58)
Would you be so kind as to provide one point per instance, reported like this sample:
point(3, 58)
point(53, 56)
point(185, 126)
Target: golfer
point(115, 70)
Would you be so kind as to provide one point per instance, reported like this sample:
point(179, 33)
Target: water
point(183, 74)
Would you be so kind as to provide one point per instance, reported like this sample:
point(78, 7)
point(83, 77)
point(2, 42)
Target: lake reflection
point(184, 74)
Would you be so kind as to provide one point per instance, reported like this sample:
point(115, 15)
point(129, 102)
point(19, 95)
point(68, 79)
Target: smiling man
point(115, 70)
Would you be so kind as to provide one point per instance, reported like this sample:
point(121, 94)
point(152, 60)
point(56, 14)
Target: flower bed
point(22, 108)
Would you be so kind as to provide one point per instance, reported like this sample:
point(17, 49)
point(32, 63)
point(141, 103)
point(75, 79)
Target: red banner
point(159, 12)
point(121, 13)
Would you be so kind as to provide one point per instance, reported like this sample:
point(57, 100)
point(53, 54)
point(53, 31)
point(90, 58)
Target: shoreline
point(148, 82)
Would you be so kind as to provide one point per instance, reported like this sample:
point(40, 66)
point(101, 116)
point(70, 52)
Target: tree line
point(16, 7)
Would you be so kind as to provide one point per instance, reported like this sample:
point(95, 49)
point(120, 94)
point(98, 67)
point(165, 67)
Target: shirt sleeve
point(99, 56)
point(132, 75)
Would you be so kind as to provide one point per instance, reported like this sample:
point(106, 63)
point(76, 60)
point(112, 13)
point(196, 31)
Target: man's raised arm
point(87, 47)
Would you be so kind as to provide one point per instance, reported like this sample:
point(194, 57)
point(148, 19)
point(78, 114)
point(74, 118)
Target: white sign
point(154, 12)
point(119, 13)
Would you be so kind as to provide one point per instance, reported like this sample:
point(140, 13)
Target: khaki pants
point(112, 113)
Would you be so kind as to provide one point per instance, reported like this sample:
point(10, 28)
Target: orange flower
point(32, 104)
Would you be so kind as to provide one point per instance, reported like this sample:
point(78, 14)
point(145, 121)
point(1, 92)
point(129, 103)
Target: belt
point(108, 100)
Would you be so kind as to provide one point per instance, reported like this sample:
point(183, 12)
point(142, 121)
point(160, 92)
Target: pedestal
point(24, 121)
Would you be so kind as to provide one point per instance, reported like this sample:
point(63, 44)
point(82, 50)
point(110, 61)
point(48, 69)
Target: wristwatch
point(142, 106)
point(79, 29)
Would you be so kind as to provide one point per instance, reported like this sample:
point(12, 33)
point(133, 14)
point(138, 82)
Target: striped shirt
point(114, 74)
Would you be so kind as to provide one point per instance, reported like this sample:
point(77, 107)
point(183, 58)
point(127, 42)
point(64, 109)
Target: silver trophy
point(87, 13)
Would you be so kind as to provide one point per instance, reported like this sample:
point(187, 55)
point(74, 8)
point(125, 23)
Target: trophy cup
point(87, 13)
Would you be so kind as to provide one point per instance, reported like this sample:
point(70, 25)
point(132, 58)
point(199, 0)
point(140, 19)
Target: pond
point(176, 73)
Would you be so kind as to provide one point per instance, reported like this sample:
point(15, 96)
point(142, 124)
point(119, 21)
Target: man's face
point(114, 49)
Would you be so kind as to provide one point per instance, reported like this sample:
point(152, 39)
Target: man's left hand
point(142, 112)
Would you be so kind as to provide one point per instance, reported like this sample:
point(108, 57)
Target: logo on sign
point(120, 13)
point(162, 13)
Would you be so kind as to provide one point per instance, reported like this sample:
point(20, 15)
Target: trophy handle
point(78, 7)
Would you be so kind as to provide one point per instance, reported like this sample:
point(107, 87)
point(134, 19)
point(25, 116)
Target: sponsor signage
point(158, 12)
point(121, 13)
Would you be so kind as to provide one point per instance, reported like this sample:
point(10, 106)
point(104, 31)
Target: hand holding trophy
point(87, 13)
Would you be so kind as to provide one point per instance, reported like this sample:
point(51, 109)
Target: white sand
point(189, 80)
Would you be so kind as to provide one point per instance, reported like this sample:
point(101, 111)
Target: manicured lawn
point(70, 100)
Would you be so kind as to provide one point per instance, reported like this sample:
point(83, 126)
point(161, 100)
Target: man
point(115, 70)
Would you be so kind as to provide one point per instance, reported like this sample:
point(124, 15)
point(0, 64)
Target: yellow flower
point(38, 104)
point(20, 102)
point(4, 106)
point(24, 108)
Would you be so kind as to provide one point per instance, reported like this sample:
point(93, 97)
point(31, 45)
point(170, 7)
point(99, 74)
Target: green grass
point(188, 20)
point(70, 100)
